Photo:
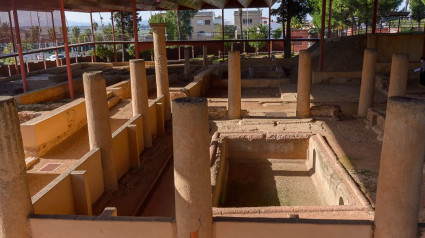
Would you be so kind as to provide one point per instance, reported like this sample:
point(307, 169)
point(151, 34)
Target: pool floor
point(269, 182)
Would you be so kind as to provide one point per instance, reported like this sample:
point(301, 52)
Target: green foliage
point(157, 18)
point(229, 31)
point(178, 23)
point(257, 32)
point(145, 54)
point(33, 35)
point(107, 30)
point(298, 10)
point(417, 10)
point(50, 33)
point(76, 31)
point(95, 26)
point(7, 50)
point(4, 32)
point(130, 50)
point(104, 52)
point(184, 23)
point(296, 23)
point(351, 12)
point(277, 33)
point(288, 10)
point(87, 32)
point(229, 34)
point(124, 22)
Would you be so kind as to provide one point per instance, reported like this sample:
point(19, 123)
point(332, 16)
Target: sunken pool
point(280, 171)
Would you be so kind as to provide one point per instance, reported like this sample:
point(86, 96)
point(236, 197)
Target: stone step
point(109, 94)
point(113, 101)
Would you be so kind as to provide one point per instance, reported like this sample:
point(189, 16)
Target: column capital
point(157, 26)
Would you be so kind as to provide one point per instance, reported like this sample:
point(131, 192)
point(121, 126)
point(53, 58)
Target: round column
point(192, 178)
point(161, 68)
point(400, 171)
point(304, 84)
point(368, 82)
point(139, 97)
point(187, 62)
point(15, 200)
point(398, 76)
point(234, 85)
point(98, 125)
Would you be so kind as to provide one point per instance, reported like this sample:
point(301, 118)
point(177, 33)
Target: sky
point(81, 19)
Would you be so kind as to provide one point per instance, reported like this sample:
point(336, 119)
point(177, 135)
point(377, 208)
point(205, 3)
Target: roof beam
point(217, 3)
point(193, 4)
point(270, 2)
point(245, 3)
point(165, 4)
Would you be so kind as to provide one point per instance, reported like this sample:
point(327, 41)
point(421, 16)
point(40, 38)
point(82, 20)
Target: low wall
point(57, 197)
point(251, 83)
point(199, 86)
point(259, 147)
point(56, 92)
point(121, 89)
point(42, 133)
point(337, 77)
point(80, 226)
point(388, 44)
point(331, 177)
point(127, 144)
point(299, 228)
point(121, 151)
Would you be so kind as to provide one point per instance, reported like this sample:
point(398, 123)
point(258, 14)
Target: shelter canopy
point(125, 5)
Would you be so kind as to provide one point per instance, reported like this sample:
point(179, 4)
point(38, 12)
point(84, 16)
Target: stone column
point(304, 84)
point(186, 62)
point(398, 77)
point(192, 179)
point(139, 97)
point(400, 171)
point(204, 56)
point(161, 68)
point(234, 85)
point(368, 82)
point(98, 125)
point(15, 201)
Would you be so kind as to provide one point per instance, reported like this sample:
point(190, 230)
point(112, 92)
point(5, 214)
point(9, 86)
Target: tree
point(178, 23)
point(76, 32)
point(50, 33)
point(170, 19)
point(257, 32)
point(34, 34)
point(227, 34)
point(124, 26)
point(277, 33)
point(285, 12)
point(124, 22)
point(4, 32)
point(352, 12)
point(417, 10)
point(95, 26)
point(104, 52)
point(184, 23)
point(229, 30)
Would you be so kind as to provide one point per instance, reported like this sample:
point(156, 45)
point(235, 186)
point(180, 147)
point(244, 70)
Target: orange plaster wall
point(298, 230)
point(43, 133)
point(121, 151)
point(92, 164)
point(55, 198)
point(66, 228)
